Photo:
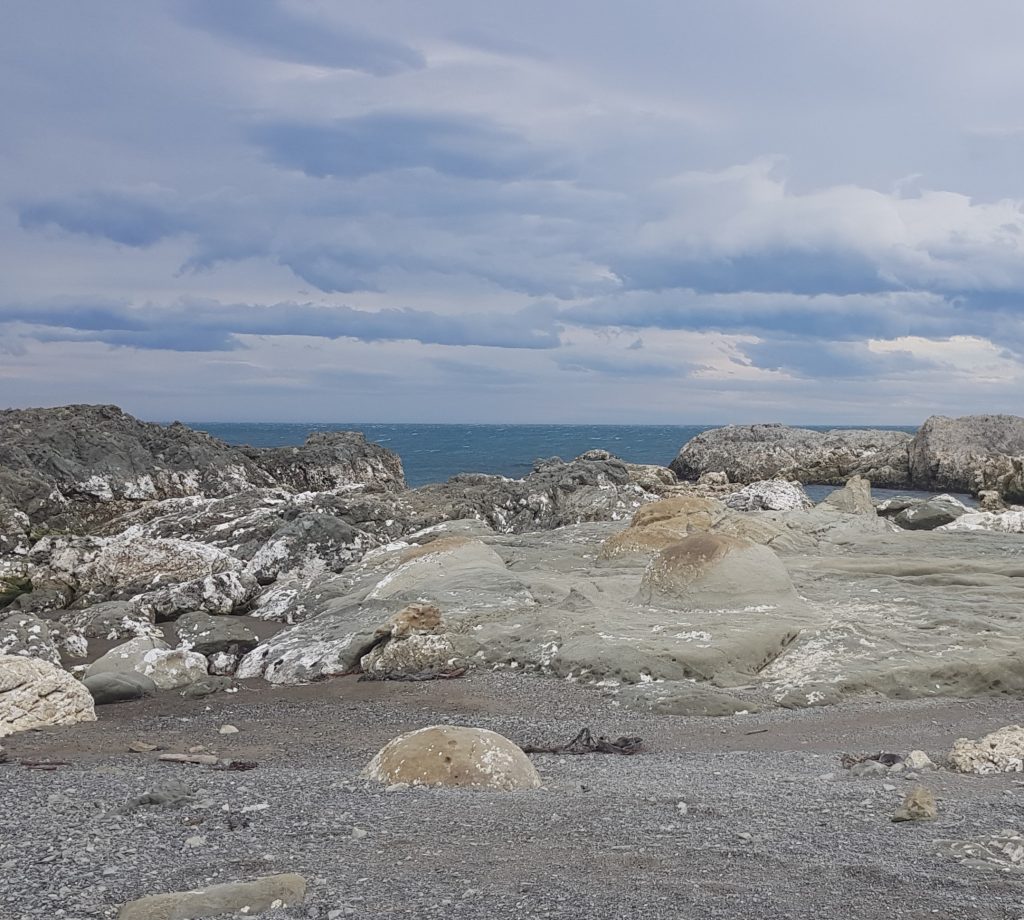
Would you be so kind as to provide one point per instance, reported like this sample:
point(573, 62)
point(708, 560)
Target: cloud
point(210, 326)
point(269, 27)
point(136, 218)
point(455, 145)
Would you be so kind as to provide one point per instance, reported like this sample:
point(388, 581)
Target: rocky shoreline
point(154, 564)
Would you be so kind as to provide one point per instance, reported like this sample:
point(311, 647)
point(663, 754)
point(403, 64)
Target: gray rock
point(205, 686)
point(769, 495)
point(931, 513)
point(111, 620)
point(748, 453)
point(168, 668)
point(227, 899)
point(107, 688)
point(221, 593)
point(970, 454)
point(27, 635)
point(853, 498)
point(209, 635)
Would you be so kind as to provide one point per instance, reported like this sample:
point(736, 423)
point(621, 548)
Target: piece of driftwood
point(50, 765)
point(206, 760)
point(586, 743)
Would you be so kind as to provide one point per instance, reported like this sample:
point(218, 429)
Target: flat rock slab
point(229, 899)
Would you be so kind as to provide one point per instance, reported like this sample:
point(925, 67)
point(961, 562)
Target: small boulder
point(931, 514)
point(853, 498)
point(918, 760)
point(168, 668)
point(228, 899)
point(413, 655)
point(1002, 751)
point(37, 694)
point(210, 635)
point(919, 805)
point(109, 688)
point(452, 755)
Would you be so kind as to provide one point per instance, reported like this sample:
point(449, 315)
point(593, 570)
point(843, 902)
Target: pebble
point(358, 833)
point(227, 730)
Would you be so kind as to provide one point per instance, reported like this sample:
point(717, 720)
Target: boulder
point(853, 498)
point(919, 805)
point(970, 454)
point(209, 635)
point(931, 513)
point(716, 571)
point(27, 635)
point(37, 694)
point(1002, 751)
point(168, 668)
point(227, 899)
point(109, 687)
point(769, 495)
point(749, 453)
point(452, 755)
point(410, 656)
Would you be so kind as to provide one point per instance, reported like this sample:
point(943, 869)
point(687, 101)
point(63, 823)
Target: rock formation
point(748, 453)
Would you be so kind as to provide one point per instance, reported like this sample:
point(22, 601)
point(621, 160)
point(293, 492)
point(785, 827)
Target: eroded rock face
point(748, 453)
point(452, 755)
point(37, 694)
point(970, 454)
point(1002, 751)
point(660, 524)
point(715, 571)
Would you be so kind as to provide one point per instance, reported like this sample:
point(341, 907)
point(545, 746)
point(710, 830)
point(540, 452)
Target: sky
point(661, 211)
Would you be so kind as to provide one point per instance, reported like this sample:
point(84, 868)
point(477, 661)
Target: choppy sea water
point(434, 453)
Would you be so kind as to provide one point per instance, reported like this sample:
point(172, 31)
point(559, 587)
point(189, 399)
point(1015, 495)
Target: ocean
point(434, 453)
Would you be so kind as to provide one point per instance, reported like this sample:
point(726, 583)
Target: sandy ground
point(774, 827)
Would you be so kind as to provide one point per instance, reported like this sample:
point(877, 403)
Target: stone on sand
point(453, 755)
point(228, 899)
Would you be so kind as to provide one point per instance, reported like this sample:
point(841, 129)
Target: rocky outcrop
point(453, 755)
point(72, 467)
point(593, 487)
point(748, 453)
point(25, 634)
point(853, 498)
point(37, 694)
point(970, 454)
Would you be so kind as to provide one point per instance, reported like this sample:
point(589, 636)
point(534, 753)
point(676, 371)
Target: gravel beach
point(772, 826)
